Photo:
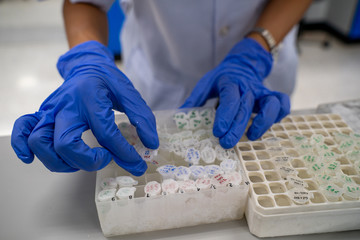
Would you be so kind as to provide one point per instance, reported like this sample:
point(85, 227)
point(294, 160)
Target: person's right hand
point(93, 86)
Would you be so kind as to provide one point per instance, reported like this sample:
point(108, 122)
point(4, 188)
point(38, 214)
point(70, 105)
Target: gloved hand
point(93, 86)
point(237, 81)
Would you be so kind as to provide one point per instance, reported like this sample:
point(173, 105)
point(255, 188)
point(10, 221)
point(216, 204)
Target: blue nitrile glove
point(93, 86)
point(237, 81)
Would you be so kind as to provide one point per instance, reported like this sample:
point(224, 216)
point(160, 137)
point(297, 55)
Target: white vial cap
point(182, 173)
point(203, 183)
point(126, 181)
point(152, 188)
point(197, 171)
point(187, 186)
point(300, 195)
point(228, 165)
point(166, 171)
point(108, 183)
point(213, 170)
point(169, 186)
point(220, 180)
point(235, 178)
point(208, 155)
point(107, 195)
point(192, 156)
point(126, 193)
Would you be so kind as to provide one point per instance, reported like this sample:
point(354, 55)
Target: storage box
point(142, 214)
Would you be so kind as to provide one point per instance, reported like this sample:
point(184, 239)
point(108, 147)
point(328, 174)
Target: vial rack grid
point(143, 214)
point(270, 210)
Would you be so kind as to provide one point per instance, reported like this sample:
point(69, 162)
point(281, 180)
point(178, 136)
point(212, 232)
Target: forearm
point(278, 17)
point(84, 22)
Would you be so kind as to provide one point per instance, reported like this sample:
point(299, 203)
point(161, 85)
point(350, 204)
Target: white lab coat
point(169, 45)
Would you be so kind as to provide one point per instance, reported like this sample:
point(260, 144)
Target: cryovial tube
point(203, 144)
point(235, 178)
point(213, 170)
point(353, 155)
point(169, 186)
point(339, 137)
point(317, 139)
point(182, 173)
point(200, 134)
point(197, 172)
point(331, 191)
point(220, 180)
point(311, 159)
point(166, 171)
point(323, 178)
point(203, 183)
point(228, 165)
point(295, 182)
point(342, 179)
point(192, 156)
point(351, 191)
point(272, 142)
point(332, 168)
point(286, 171)
point(222, 154)
point(208, 155)
point(126, 193)
point(187, 186)
point(195, 123)
point(152, 188)
point(108, 183)
point(106, 195)
point(282, 160)
point(347, 146)
point(298, 140)
point(126, 181)
point(300, 195)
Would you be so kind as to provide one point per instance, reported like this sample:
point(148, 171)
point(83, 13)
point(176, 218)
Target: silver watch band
point(268, 37)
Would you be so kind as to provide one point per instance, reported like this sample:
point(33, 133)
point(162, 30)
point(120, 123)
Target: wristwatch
point(269, 39)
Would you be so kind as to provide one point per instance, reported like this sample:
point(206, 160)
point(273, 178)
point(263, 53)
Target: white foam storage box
point(270, 210)
point(143, 214)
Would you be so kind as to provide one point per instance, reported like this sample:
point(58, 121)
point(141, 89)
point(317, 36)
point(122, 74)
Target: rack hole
point(282, 135)
point(328, 125)
point(252, 166)
point(266, 201)
point(260, 189)
point(277, 188)
point(323, 118)
point(329, 142)
point(287, 144)
point(303, 174)
point(277, 127)
point(258, 146)
point(256, 177)
point(267, 165)
point(298, 119)
point(262, 155)
point(290, 127)
point(292, 153)
point(311, 186)
point(317, 198)
point(272, 176)
point(315, 125)
point(335, 117)
point(340, 124)
point(286, 120)
point(322, 133)
point(244, 147)
point(297, 163)
point(282, 200)
point(348, 171)
point(303, 127)
point(247, 156)
point(310, 118)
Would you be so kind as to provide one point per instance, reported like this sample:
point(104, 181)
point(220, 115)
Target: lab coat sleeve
point(102, 4)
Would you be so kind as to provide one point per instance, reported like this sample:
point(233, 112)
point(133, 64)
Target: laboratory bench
point(39, 204)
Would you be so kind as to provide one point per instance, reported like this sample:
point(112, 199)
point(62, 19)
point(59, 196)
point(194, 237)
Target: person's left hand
point(237, 81)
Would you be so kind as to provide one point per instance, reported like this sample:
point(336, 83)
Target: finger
point(232, 137)
point(201, 93)
point(138, 112)
point(102, 123)
point(285, 105)
point(229, 95)
point(72, 149)
point(41, 142)
point(269, 111)
point(22, 129)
